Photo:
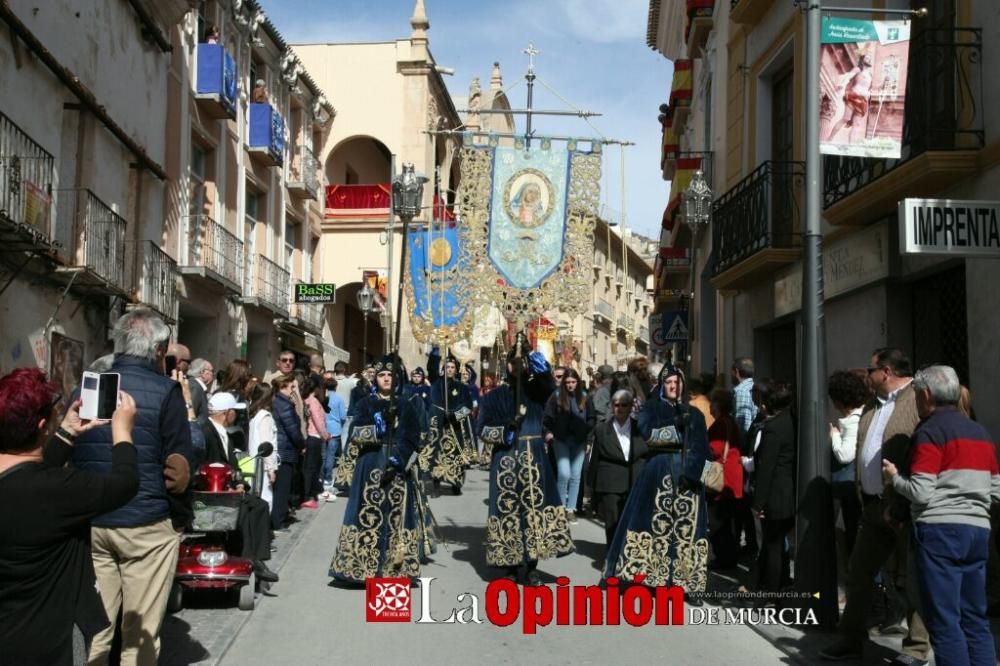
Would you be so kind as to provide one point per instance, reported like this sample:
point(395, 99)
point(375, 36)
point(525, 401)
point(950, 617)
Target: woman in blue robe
point(385, 524)
point(526, 520)
point(450, 446)
point(662, 532)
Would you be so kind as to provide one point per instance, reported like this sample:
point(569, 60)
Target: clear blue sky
point(594, 55)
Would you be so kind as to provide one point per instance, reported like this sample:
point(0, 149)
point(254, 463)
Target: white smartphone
point(99, 395)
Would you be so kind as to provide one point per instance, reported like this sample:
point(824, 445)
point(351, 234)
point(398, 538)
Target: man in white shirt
point(255, 515)
point(615, 461)
point(884, 433)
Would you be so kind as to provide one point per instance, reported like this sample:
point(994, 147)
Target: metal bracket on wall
point(62, 298)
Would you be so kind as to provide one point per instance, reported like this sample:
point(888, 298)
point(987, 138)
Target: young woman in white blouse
point(849, 392)
point(263, 429)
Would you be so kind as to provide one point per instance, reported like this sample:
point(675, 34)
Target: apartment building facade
point(737, 96)
point(137, 168)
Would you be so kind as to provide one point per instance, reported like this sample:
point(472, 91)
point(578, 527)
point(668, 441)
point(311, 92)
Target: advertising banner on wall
point(863, 67)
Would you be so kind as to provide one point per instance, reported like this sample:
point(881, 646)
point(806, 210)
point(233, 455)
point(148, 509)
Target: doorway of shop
point(776, 353)
point(940, 324)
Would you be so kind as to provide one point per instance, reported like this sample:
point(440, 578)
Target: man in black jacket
point(254, 518)
point(774, 488)
point(615, 461)
point(135, 547)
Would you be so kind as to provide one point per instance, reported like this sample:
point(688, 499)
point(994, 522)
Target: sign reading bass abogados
point(319, 292)
point(949, 226)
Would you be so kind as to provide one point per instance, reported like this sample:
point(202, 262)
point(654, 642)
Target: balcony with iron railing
point(303, 174)
point(27, 176)
point(310, 316)
point(155, 281)
point(603, 311)
point(942, 131)
point(625, 324)
point(214, 253)
point(92, 238)
point(755, 224)
point(643, 334)
point(270, 288)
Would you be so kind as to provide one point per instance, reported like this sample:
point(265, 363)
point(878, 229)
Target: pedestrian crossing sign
point(675, 326)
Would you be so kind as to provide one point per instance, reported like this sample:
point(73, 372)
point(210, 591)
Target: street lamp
point(366, 299)
point(697, 215)
point(407, 198)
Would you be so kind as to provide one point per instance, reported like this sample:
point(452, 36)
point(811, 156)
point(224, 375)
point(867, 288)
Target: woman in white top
point(263, 429)
point(849, 392)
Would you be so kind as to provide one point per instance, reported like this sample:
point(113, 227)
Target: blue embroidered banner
point(437, 311)
point(529, 214)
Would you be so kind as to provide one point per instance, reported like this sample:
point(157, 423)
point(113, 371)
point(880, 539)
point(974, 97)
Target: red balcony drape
point(357, 197)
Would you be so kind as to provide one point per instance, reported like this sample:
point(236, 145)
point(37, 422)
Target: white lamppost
point(697, 215)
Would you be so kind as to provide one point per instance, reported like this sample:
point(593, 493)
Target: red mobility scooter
point(204, 562)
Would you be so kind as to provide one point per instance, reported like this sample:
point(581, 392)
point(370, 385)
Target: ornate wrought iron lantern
point(697, 202)
point(407, 192)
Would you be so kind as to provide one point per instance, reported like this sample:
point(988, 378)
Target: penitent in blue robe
point(385, 530)
point(526, 520)
point(662, 531)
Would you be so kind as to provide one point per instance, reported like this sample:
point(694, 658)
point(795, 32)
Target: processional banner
point(863, 66)
point(528, 229)
point(438, 308)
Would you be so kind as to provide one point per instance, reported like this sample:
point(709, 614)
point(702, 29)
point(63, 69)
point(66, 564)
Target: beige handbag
point(715, 477)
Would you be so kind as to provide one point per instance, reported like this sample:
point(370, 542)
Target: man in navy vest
point(135, 548)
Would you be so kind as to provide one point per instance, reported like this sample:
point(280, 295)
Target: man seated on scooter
point(255, 516)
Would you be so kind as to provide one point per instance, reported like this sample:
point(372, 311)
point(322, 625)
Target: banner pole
point(815, 562)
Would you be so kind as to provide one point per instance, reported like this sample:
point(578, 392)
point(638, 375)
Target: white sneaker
point(327, 496)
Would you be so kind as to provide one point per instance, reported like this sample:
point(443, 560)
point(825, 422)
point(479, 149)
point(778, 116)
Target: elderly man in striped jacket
point(953, 478)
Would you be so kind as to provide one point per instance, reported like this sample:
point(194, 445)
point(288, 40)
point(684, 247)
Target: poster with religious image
point(863, 67)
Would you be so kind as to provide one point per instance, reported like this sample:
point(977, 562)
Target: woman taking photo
point(47, 581)
point(568, 420)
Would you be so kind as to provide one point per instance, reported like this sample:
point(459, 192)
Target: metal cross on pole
point(531, 51)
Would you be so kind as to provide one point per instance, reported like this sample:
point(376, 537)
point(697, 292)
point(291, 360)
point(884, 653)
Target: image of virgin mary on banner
point(529, 217)
point(437, 304)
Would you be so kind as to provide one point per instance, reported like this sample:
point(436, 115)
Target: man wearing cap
point(254, 518)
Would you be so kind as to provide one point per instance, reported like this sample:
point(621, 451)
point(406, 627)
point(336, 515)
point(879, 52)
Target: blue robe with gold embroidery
point(450, 448)
point(662, 530)
point(384, 531)
point(526, 520)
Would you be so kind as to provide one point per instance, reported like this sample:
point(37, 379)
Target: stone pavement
point(203, 631)
point(306, 621)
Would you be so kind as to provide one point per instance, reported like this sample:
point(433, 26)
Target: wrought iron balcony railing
point(944, 108)
point(312, 315)
point(271, 285)
point(213, 247)
point(303, 173)
point(93, 238)
point(27, 175)
point(643, 333)
point(604, 310)
point(155, 282)
point(761, 211)
point(625, 323)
